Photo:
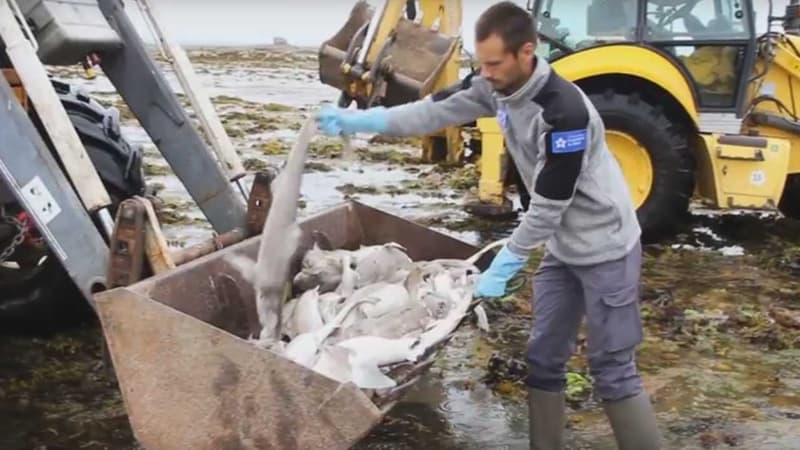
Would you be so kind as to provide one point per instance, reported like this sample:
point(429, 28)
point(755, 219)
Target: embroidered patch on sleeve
point(568, 141)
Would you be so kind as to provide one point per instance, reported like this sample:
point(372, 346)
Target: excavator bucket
point(189, 378)
point(409, 62)
point(334, 51)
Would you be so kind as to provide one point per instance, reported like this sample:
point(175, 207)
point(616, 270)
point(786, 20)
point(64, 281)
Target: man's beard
point(505, 89)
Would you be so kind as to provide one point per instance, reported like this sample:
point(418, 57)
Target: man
point(580, 209)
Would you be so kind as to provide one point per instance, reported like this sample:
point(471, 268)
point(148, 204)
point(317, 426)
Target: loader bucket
point(332, 52)
point(410, 64)
point(190, 380)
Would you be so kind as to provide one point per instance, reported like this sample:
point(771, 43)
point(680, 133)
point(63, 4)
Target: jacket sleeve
point(456, 105)
point(565, 138)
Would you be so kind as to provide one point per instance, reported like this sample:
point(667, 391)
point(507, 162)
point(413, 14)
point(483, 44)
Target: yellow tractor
point(695, 103)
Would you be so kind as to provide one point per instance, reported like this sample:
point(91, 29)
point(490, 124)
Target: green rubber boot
point(633, 421)
point(546, 419)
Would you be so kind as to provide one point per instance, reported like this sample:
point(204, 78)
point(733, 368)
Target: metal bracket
point(259, 202)
point(126, 262)
point(136, 229)
point(136, 237)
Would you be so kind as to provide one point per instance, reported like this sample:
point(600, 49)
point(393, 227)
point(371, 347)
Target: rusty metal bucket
point(188, 378)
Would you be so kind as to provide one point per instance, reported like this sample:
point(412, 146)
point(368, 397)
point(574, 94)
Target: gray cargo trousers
point(608, 295)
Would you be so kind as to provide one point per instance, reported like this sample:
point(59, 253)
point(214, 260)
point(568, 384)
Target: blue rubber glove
point(493, 281)
point(335, 121)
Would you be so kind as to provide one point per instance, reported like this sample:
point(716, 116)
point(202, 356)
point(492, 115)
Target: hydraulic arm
point(397, 55)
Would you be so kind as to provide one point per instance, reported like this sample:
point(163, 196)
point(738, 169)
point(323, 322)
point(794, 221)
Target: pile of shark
point(357, 312)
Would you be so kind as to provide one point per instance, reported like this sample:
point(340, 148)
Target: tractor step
point(744, 171)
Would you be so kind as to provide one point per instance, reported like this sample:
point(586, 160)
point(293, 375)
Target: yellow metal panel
point(447, 12)
point(738, 176)
point(782, 81)
point(393, 12)
point(787, 59)
point(632, 60)
point(493, 162)
point(489, 125)
point(447, 15)
point(793, 139)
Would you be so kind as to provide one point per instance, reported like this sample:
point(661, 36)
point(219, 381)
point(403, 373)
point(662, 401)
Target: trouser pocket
point(622, 322)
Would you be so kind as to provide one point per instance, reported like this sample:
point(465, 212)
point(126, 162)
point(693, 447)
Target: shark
point(371, 263)
point(279, 240)
point(404, 333)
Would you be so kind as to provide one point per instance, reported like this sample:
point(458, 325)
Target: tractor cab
point(711, 41)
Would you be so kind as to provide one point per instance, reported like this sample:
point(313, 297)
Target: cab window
point(707, 37)
point(696, 20)
point(581, 23)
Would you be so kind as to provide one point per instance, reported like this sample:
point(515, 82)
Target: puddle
point(723, 367)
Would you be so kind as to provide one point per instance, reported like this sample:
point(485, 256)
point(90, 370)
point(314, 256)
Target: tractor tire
point(44, 298)
point(789, 205)
point(666, 205)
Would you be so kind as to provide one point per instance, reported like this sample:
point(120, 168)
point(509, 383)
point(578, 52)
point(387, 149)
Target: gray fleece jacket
point(580, 205)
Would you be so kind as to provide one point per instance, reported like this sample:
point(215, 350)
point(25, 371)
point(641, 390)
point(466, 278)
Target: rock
point(785, 317)
point(279, 41)
point(504, 368)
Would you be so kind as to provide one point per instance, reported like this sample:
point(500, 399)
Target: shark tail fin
point(474, 258)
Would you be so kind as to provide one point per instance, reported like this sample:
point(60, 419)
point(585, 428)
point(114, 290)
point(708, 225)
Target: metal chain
point(18, 238)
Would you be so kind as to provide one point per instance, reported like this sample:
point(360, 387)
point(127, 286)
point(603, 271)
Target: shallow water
point(722, 372)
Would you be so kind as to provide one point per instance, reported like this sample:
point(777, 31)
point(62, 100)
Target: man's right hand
point(335, 121)
point(506, 264)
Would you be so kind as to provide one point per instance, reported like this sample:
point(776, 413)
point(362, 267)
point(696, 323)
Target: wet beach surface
point(720, 301)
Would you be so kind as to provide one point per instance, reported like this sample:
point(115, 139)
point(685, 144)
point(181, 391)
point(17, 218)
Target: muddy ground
point(720, 300)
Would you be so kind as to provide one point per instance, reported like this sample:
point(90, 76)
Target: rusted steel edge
point(258, 205)
point(125, 266)
point(208, 246)
point(126, 247)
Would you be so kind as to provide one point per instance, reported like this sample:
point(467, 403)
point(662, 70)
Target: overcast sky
point(239, 22)
point(254, 22)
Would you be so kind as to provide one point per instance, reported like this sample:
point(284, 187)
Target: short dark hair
point(508, 20)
